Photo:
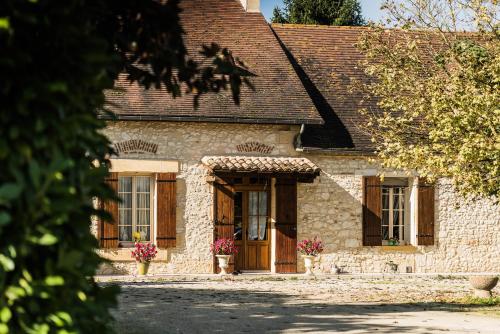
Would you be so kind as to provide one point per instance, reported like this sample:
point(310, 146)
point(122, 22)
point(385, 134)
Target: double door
point(242, 212)
point(252, 228)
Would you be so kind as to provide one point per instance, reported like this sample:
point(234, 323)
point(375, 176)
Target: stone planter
point(309, 264)
point(142, 268)
point(223, 263)
point(483, 285)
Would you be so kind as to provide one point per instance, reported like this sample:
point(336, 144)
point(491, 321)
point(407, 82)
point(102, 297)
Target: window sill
point(401, 249)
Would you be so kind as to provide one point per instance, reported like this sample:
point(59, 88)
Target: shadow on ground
point(170, 308)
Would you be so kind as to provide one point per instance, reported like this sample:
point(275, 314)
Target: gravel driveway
point(294, 305)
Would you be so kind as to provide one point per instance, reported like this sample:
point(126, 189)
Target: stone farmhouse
point(288, 163)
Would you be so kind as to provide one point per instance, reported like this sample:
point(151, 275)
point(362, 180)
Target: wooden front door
point(252, 228)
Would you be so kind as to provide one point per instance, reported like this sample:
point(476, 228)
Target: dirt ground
point(292, 304)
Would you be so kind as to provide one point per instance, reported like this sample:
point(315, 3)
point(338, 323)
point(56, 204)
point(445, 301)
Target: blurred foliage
point(56, 59)
point(438, 88)
point(326, 12)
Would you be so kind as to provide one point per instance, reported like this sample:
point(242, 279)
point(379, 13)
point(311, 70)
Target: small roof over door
point(274, 165)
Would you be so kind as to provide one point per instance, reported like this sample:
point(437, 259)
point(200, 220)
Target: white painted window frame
point(402, 208)
point(152, 209)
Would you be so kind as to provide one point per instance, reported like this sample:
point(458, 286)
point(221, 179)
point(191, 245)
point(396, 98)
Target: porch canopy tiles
point(301, 167)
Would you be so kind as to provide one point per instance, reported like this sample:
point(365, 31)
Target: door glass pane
point(253, 224)
point(238, 216)
point(262, 228)
point(262, 203)
point(253, 198)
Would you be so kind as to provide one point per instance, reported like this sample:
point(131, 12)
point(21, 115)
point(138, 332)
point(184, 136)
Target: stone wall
point(467, 234)
point(188, 143)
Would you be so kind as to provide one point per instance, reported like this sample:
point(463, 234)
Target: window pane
point(395, 216)
point(125, 233)
point(144, 231)
point(385, 200)
point(263, 228)
point(395, 232)
point(142, 217)
point(385, 217)
point(253, 228)
point(142, 184)
point(142, 201)
point(385, 232)
point(125, 184)
point(126, 200)
point(125, 217)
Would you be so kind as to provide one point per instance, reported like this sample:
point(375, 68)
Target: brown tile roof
point(260, 164)
point(279, 96)
point(327, 61)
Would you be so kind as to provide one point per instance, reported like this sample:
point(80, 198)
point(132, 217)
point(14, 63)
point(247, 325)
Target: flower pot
point(309, 263)
point(483, 285)
point(142, 268)
point(223, 263)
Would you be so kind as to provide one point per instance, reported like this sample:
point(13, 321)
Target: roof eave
point(146, 117)
point(337, 151)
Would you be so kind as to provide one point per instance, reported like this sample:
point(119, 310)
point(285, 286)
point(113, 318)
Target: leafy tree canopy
point(56, 59)
point(438, 88)
point(326, 12)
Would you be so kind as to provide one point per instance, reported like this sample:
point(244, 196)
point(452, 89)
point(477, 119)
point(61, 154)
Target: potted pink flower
point(143, 254)
point(223, 249)
point(309, 250)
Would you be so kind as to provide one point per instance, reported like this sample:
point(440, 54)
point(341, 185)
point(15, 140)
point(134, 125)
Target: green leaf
point(7, 263)
point(5, 314)
point(4, 329)
point(10, 191)
point(47, 240)
point(54, 280)
point(14, 292)
point(4, 23)
point(82, 296)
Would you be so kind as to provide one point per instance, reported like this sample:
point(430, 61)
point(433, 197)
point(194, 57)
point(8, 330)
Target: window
point(394, 204)
point(134, 212)
point(398, 208)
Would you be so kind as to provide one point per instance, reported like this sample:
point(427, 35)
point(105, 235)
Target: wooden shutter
point(286, 226)
point(165, 210)
point(108, 230)
point(224, 218)
point(425, 213)
point(372, 211)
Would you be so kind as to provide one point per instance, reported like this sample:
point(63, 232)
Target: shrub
point(57, 60)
